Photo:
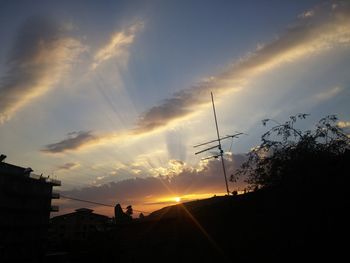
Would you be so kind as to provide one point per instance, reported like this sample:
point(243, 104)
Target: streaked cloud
point(68, 166)
point(327, 28)
point(78, 140)
point(74, 141)
point(117, 46)
point(40, 58)
point(328, 94)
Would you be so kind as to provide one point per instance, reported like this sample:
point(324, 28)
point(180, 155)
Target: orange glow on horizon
point(177, 199)
point(172, 200)
point(146, 207)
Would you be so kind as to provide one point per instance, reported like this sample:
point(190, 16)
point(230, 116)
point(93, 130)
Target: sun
point(177, 199)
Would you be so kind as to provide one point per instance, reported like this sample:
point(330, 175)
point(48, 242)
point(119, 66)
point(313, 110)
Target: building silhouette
point(78, 225)
point(25, 206)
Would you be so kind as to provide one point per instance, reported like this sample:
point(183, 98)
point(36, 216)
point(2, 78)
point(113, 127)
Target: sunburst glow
point(113, 106)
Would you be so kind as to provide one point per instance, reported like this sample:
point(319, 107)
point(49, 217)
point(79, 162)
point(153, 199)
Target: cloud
point(74, 141)
point(343, 124)
point(79, 140)
point(307, 14)
point(40, 57)
point(68, 166)
point(176, 180)
point(327, 28)
point(118, 45)
point(328, 94)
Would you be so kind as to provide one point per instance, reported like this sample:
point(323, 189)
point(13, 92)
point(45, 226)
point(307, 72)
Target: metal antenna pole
point(219, 140)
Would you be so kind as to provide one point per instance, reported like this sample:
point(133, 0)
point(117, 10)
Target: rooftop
point(14, 170)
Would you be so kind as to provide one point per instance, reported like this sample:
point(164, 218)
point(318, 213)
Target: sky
point(111, 96)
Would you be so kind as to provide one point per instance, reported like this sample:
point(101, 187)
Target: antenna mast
point(221, 152)
point(218, 140)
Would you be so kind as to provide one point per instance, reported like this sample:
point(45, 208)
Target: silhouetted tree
point(119, 215)
point(129, 210)
point(141, 216)
point(288, 155)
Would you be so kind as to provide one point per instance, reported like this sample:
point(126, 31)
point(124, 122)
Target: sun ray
point(202, 230)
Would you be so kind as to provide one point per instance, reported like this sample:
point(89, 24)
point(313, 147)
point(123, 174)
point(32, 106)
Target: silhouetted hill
point(306, 220)
point(266, 225)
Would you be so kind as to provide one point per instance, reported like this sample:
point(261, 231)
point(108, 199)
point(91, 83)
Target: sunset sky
point(110, 96)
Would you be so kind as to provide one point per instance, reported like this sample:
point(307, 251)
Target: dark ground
point(267, 225)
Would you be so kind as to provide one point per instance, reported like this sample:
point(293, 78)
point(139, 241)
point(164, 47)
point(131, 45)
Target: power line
point(96, 203)
point(85, 201)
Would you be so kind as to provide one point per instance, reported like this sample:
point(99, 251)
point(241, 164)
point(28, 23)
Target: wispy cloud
point(40, 57)
point(77, 140)
point(68, 166)
point(307, 14)
point(328, 94)
point(74, 141)
point(327, 28)
point(118, 45)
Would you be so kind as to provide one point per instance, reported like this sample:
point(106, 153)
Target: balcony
point(54, 208)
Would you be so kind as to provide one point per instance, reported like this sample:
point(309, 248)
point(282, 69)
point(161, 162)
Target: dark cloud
point(178, 106)
point(74, 141)
point(187, 181)
point(68, 166)
point(327, 27)
point(37, 61)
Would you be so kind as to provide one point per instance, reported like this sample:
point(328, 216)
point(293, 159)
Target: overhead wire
point(97, 203)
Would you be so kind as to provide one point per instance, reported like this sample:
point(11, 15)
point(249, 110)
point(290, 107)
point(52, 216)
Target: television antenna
point(218, 146)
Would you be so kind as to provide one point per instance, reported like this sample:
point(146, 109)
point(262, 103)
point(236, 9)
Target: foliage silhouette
point(290, 156)
point(129, 210)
